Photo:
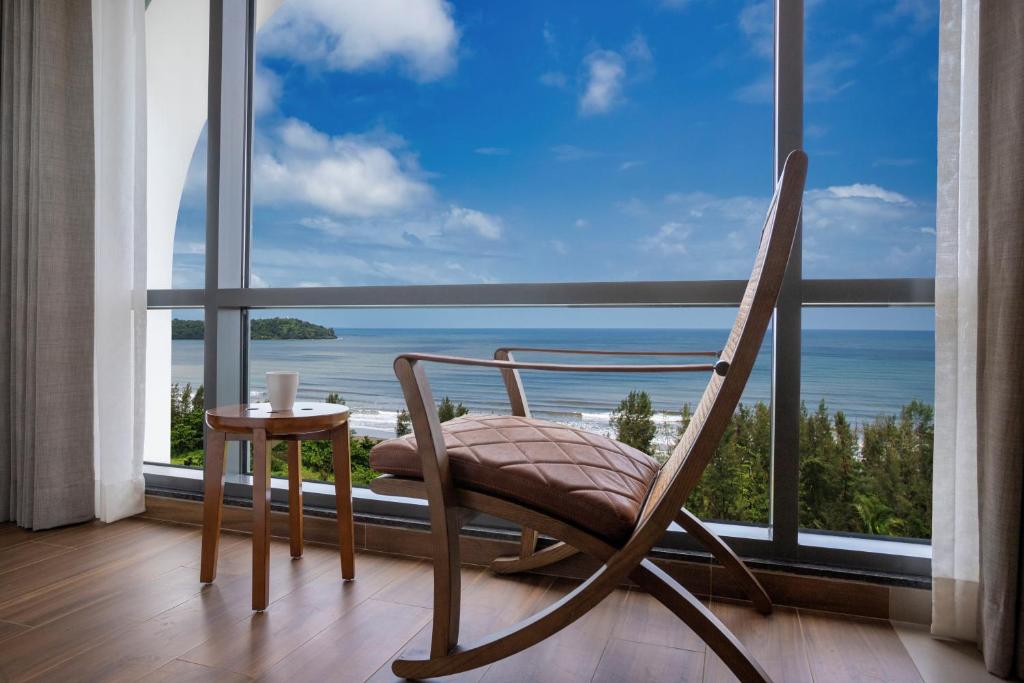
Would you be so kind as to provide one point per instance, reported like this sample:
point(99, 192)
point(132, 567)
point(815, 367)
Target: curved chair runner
point(591, 493)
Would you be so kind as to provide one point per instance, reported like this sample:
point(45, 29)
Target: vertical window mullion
point(786, 348)
point(229, 132)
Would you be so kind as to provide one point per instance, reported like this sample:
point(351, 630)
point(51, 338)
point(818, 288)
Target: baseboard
point(704, 579)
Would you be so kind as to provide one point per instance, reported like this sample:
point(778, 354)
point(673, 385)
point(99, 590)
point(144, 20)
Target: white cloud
point(867, 191)
point(334, 268)
point(266, 90)
point(189, 248)
point(854, 230)
point(605, 73)
point(572, 153)
point(355, 35)
point(492, 151)
point(462, 219)
point(920, 13)
point(823, 79)
point(581, 223)
point(864, 209)
point(670, 239)
point(760, 91)
point(346, 175)
point(633, 207)
point(637, 49)
point(554, 79)
point(757, 24)
point(558, 246)
point(629, 165)
point(548, 34)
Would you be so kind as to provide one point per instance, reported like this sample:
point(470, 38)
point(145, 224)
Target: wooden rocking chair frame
point(531, 558)
point(664, 503)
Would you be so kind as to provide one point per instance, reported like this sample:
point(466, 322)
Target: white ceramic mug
point(282, 385)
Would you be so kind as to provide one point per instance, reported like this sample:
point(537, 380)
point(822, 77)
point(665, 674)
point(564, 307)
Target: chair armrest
point(721, 367)
point(607, 352)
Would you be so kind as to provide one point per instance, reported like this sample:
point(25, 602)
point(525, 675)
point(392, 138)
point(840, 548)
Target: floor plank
point(571, 654)
point(148, 557)
point(489, 603)
point(645, 620)
point(774, 640)
point(9, 630)
point(25, 584)
point(625, 660)
point(354, 646)
point(177, 671)
point(29, 552)
point(122, 602)
point(211, 611)
point(852, 649)
point(255, 643)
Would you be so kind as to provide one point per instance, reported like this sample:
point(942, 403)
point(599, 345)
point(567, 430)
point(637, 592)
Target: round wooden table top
point(303, 418)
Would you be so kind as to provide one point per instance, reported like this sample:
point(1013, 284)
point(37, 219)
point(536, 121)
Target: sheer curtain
point(120, 266)
point(955, 488)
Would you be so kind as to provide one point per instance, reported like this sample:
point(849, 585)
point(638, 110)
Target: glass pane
point(868, 387)
point(352, 362)
point(509, 142)
point(174, 387)
point(871, 94)
point(177, 57)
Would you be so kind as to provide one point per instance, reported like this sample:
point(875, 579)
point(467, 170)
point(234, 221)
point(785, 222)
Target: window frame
point(227, 299)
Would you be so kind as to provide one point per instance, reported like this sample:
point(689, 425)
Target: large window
point(583, 175)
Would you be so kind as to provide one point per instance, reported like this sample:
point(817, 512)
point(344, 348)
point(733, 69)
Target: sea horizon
point(864, 373)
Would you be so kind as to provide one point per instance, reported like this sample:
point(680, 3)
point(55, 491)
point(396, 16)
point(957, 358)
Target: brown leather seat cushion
point(591, 481)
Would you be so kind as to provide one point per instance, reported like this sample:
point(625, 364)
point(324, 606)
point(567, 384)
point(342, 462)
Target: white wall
point(177, 56)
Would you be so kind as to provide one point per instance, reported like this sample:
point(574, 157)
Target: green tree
point(633, 421)
point(186, 419)
point(735, 484)
point(897, 465)
point(334, 397)
point(829, 470)
point(403, 423)
point(449, 411)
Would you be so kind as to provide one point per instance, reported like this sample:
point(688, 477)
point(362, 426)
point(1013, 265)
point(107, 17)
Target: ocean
point(864, 373)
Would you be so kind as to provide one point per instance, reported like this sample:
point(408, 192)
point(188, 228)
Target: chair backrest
point(683, 470)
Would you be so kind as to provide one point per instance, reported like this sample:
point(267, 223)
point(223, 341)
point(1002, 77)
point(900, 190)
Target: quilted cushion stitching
point(634, 484)
point(615, 448)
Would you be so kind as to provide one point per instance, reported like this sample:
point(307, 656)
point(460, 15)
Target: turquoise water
point(862, 372)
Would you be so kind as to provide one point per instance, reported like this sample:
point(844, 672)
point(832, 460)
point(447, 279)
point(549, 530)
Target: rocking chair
point(592, 494)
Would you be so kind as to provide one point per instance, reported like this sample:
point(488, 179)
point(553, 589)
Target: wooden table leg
point(213, 498)
point(342, 461)
point(295, 497)
point(261, 521)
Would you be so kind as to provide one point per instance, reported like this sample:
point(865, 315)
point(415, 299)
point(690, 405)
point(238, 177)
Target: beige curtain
point(46, 262)
point(1001, 334)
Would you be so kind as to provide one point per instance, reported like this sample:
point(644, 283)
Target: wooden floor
point(123, 602)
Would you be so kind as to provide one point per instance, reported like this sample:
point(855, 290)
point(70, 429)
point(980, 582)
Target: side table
point(259, 425)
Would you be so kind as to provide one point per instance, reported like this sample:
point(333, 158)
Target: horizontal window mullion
point(721, 293)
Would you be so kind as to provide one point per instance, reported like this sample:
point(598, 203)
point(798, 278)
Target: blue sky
point(424, 142)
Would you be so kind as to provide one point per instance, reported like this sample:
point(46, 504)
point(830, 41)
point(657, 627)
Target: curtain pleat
point(1001, 334)
point(46, 250)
